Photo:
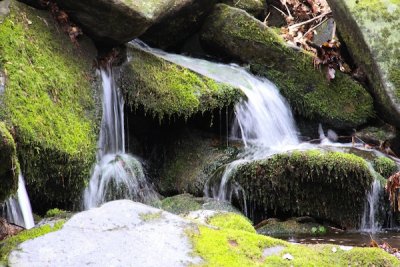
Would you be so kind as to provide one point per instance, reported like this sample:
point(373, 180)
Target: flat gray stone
point(119, 233)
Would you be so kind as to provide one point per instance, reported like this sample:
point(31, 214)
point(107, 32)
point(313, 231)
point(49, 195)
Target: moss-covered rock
point(377, 135)
point(49, 100)
point(385, 166)
point(230, 246)
point(289, 227)
point(329, 186)
point(165, 89)
point(371, 30)
point(9, 166)
point(340, 103)
point(254, 7)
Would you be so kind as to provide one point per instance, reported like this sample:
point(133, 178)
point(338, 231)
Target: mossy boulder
point(289, 227)
point(165, 89)
point(179, 24)
point(340, 103)
point(253, 7)
point(325, 185)
point(49, 100)
point(385, 166)
point(371, 31)
point(377, 134)
point(9, 166)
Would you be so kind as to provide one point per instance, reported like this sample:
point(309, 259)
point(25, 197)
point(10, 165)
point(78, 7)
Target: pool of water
point(360, 239)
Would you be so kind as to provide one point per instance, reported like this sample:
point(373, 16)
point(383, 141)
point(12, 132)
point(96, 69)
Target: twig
point(283, 13)
point(308, 21)
point(287, 9)
point(265, 20)
point(316, 26)
point(334, 30)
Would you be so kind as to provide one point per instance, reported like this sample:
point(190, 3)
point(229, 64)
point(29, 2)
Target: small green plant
point(150, 216)
point(55, 213)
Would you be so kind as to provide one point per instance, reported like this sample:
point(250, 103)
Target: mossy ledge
point(341, 102)
point(327, 185)
point(49, 99)
point(165, 89)
point(227, 246)
point(9, 166)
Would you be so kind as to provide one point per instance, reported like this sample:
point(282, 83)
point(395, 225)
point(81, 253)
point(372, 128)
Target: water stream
point(17, 209)
point(116, 175)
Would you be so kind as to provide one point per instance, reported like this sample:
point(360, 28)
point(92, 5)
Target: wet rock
point(293, 226)
point(9, 166)
point(7, 229)
point(342, 102)
point(377, 135)
point(371, 32)
point(324, 32)
point(254, 7)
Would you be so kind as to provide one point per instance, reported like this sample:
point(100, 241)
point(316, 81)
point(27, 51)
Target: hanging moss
point(165, 89)
point(341, 102)
point(49, 100)
point(9, 166)
point(330, 186)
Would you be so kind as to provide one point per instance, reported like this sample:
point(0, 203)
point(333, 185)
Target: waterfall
point(17, 209)
point(370, 222)
point(116, 175)
point(264, 120)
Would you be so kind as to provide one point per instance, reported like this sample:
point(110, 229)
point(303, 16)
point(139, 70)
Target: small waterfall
point(264, 120)
point(370, 222)
point(17, 209)
point(117, 175)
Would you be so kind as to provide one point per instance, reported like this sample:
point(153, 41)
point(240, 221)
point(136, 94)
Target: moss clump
point(371, 32)
point(9, 167)
point(234, 221)
point(329, 186)
point(164, 89)
point(234, 247)
point(341, 102)
point(180, 204)
point(289, 227)
point(150, 216)
point(254, 7)
point(49, 100)
point(385, 166)
point(57, 213)
point(11, 243)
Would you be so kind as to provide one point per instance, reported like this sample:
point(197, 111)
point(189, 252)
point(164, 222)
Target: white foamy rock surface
point(116, 234)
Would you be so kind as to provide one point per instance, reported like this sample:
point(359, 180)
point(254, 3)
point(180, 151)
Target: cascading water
point(17, 209)
point(370, 222)
point(264, 120)
point(117, 175)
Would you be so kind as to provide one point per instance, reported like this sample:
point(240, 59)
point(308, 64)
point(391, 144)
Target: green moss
point(49, 99)
point(56, 213)
point(150, 216)
point(232, 221)
point(180, 204)
point(330, 185)
point(385, 166)
point(11, 243)
point(9, 166)
point(228, 247)
point(341, 102)
point(289, 227)
point(164, 89)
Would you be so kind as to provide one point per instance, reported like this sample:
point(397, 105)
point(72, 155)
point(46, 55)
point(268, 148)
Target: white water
point(117, 175)
point(369, 222)
point(18, 209)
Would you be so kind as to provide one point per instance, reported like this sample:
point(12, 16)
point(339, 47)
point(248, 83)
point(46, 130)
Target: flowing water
point(117, 175)
point(17, 209)
point(369, 222)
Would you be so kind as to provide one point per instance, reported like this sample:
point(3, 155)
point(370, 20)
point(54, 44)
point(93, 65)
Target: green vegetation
point(330, 185)
point(57, 213)
point(341, 102)
point(150, 216)
point(164, 89)
point(288, 227)
point(180, 204)
point(49, 100)
point(232, 221)
point(9, 166)
point(385, 166)
point(11, 243)
point(235, 247)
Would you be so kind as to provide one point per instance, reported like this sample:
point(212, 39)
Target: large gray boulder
point(120, 233)
point(371, 30)
point(119, 21)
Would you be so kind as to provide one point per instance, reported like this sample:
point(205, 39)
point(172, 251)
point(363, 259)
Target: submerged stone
point(341, 103)
point(9, 166)
point(371, 30)
point(49, 100)
point(165, 89)
point(329, 186)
